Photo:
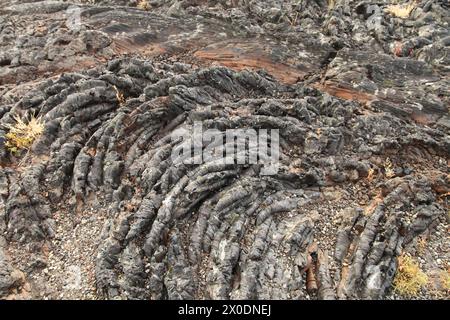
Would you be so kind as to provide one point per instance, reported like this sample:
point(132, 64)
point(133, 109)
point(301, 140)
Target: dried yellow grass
point(445, 279)
point(119, 96)
point(409, 279)
point(22, 133)
point(401, 10)
point(370, 174)
point(331, 4)
point(388, 170)
point(143, 5)
point(422, 244)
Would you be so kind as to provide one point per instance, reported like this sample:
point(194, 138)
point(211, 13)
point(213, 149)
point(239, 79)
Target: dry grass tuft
point(292, 21)
point(445, 278)
point(422, 244)
point(410, 279)
point(331, 4)
point(401, 10)
point(22, 133)
point(388, 170)
point(143, 5)
point(120, 97)
point(370, 174)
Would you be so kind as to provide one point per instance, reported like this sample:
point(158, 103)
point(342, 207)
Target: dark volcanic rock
point(359, 98)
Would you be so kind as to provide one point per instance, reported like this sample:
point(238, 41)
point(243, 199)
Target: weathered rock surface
point(362, 114)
